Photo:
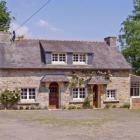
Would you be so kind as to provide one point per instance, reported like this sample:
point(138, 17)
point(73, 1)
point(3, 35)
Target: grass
point(62, 121)
point(44, 117)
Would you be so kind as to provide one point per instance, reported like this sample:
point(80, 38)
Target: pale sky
point(70, 19)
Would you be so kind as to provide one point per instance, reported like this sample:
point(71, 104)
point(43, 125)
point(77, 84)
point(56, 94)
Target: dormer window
point(79, 58)
point(58, 58)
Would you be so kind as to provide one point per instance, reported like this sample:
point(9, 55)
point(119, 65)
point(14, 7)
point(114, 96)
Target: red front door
point(54, 95)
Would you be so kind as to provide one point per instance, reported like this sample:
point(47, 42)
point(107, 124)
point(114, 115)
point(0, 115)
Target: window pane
point(82, 58)
point(75, 93)
point(54, 57)
point(23, 93)
point(131, 92)
point(31, 93)
point(111, 94)
point(82, 92)
point(62, 57)
point(79, 58)
point(75, 57)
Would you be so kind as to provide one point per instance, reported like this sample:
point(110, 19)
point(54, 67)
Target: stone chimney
point(111, 41)
point(5, 37)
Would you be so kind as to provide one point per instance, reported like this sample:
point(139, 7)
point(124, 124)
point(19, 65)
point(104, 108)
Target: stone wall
point(122, 87)
point(31, 79)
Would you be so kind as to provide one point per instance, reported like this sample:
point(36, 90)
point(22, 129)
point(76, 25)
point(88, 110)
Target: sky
point(70, 19)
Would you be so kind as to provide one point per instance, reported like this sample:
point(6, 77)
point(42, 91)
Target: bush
point(108, 105)
point(27, 108)
point(79, 107)
point(9, 98)
point(32, 107)
point(125, 105)
point(113, 106)
point(21, 108)
point(71, 107)
point(86, 104)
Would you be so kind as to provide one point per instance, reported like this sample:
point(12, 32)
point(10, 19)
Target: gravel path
point(111, 124)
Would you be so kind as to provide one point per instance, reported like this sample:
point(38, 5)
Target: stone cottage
point(56, 74)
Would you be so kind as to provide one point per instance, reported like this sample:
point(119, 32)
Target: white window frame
point(28, 96)
point(111, 98)
point(58, 58)
point(78, 60)
point(78, 98)
point(135, 89)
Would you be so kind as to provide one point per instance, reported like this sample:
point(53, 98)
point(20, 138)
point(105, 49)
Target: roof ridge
point(55, 40)
point(84, 41)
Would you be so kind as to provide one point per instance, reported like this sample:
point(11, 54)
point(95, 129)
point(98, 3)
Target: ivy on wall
point(81, 79)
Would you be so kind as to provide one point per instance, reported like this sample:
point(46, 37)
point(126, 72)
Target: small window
point(82, 92)
point(79, 93)
point(75, 58)
point(111, 95)
point(58, 58)
point(23, 93)
point(31, 93)
point(28, 94)
point(135, 89)
point(79, 58)
point(55, 57)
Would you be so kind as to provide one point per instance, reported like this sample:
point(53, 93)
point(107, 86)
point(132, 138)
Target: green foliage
point(9, 98)
point(71, 107)
point(4, 16)
point(125, 105)
point(130, 38)
point(108, 105)
point(86, 104)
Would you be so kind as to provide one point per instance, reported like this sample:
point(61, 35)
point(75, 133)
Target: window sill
point(58, 63)
point(79, 63)
point(77, 101)
point(135, 96)
point(28, 103)
point(111, 101)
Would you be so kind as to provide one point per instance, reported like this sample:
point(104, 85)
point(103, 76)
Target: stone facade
point(32, 79)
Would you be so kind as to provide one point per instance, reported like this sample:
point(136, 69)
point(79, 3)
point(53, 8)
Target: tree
point(4, 16)
point(9, 98)
point(130, 38)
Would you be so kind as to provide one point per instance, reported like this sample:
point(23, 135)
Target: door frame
point(97, 96)
point(55, 84)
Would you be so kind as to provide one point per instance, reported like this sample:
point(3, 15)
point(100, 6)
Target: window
point(79, 58)
point(23, 93)
point(79, 93)
point(28, 94)
point(58, 58)
point(135, 89)
point(111, 95)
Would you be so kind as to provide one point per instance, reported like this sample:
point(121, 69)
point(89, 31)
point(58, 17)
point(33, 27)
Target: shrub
point(86, 104)
point(27, 107)
point(9, 98)
point(71, 107)
point(113, 106)
point(125, 105)
point(32, 107)
point(108, 105)
point(21, 108)
point(79, 107)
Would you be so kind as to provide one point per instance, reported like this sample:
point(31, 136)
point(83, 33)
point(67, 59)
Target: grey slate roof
point(98, 80)
point(27, 54)
point(54, 78)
